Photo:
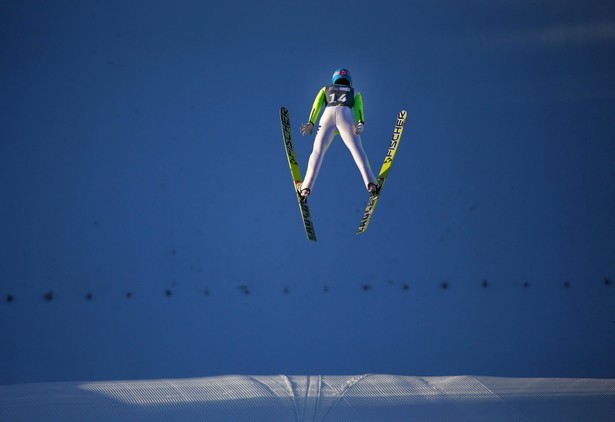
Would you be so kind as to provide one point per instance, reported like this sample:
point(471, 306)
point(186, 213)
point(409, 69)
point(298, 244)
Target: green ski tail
point(296, 173)
point(384, 170)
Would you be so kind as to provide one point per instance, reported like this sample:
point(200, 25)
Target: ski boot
point(373, 188)
point(303, 193)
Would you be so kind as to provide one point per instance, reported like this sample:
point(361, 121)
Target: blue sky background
point(141, 155)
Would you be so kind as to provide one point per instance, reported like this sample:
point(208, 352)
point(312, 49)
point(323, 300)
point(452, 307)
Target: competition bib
point(339, 95)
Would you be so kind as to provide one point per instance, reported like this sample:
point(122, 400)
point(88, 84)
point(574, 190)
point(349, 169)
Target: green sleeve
point(317, 106)
point(358, 107)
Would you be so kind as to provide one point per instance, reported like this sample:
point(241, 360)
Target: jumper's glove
point(358, 128)
point(307, 128)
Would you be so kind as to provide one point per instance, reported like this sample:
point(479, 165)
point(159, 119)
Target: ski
point(384, 171)
point(296, 173)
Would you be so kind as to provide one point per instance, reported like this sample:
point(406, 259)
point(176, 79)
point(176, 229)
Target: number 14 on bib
point(384, 171)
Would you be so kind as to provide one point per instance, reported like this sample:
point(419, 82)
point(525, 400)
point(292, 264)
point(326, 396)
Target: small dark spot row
point(246, 290)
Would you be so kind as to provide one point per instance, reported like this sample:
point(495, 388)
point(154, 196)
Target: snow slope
point(314, 398)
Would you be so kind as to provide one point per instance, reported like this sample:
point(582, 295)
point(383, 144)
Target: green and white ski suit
point(343, 109)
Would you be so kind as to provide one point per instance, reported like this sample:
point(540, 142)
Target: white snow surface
point(370, 397)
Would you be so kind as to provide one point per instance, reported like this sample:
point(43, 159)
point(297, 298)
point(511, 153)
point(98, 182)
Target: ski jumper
point(342, 109)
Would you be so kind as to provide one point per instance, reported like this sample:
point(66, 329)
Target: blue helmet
point(342, 74)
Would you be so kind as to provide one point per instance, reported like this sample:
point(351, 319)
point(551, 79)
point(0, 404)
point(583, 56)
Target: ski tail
point(384, 170)
point(295, 172)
